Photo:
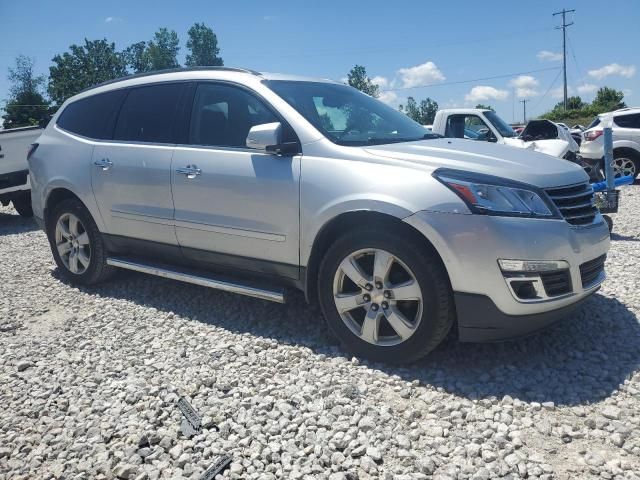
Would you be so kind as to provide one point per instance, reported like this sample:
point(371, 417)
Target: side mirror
point(268, 137)
point(261, 137)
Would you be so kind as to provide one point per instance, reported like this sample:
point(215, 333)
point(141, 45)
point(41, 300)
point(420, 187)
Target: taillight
point(32, 148)
point(592, 135)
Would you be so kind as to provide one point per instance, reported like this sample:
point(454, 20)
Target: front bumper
point(470, 246)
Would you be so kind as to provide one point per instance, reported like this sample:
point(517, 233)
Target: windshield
point(502, 126)
point(347, 116)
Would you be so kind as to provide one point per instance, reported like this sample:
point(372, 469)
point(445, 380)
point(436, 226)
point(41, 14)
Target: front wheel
point(385, 296)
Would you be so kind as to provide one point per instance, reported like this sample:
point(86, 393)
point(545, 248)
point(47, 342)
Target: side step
point(198, 279)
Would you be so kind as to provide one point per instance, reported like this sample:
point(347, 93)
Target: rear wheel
point(22, 204)
point(384, 296)
point(76, 244)
point(624, 165)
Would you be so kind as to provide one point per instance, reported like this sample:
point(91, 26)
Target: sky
point(458, 53)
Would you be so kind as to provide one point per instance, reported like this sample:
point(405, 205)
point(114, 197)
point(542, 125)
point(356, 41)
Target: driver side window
point(468, 126)
point(222, 116)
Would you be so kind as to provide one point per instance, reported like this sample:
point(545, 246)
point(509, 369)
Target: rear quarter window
point(93, 116)
point(628, 121)
point(148, 113)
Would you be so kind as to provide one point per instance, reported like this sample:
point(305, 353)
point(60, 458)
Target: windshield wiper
point(383, 140)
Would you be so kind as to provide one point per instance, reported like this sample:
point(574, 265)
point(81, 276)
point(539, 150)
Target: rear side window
point(94, 116)
point(148, 113)
point(628, 121)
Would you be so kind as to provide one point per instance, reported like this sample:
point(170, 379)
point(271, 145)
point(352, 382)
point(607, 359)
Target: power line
point(564, 48)
point(457, 82)
point(547, 92)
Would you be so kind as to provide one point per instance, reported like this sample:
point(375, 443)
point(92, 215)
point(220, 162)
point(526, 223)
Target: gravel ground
point(90, 379)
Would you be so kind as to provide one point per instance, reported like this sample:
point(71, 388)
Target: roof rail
point(172, 70)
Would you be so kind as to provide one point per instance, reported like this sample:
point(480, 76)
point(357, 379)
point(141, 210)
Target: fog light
point(524, 289)
point(532, 265)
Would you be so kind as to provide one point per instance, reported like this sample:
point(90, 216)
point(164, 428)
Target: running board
point(205, 281)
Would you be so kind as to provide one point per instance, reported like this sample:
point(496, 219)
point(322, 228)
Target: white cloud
point(547, 56)
point(388, 97)
point(587, 88)
point(268, 18)
point(483, 92)
point(525, 86)
point(418, 75)
point(112, 19)
point(380, 81)
point(626, 71)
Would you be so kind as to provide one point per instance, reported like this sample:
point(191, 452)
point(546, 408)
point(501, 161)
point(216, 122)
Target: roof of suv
point(179, 74)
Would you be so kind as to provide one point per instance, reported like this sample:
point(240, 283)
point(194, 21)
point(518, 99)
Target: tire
point(22, 204)
point(85, 240)
point(626, 165)
point(429, 319)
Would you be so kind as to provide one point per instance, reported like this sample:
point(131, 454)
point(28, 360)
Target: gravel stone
point(91, 378)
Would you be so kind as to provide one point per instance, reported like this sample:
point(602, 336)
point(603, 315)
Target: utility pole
point(564, 48)
point(524, 110)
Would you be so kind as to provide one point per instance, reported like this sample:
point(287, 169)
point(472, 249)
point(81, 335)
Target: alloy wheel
point(623, 167)
point(72, 242)
point(378, 297)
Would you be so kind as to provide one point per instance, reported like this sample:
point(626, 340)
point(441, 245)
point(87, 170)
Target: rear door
point(131, 174)
point(240, 207)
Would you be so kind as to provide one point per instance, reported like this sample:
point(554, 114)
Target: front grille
point(556, 283)
point(591, 270)
point(576, 203)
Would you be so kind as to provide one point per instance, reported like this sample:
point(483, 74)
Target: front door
point(131, 175)
point(233, 205)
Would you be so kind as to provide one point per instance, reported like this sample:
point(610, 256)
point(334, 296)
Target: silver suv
point(253, 183)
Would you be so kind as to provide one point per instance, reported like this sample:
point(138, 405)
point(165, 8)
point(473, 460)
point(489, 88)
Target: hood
point(520, 164)
point(555, 148)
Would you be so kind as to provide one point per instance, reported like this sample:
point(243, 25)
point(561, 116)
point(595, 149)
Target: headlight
point(488, 195)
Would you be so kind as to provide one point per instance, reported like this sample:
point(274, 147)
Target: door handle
point(105, 164)
point(191, 171)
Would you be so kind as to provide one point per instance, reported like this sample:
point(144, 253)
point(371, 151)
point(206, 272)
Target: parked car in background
point(625, 124)
point(14, 170)
point(540, 135)
point(251, 182)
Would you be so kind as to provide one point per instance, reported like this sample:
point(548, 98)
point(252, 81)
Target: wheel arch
point(348, 221)
point(54, 197)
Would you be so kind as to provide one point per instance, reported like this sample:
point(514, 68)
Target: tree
point(203, 45)
point(424, 113)
point(608, 99)
point(162, 51)
point(573, 103)
point(357, 78)
point(480, 106)
point(84, 66)
point(136, 57)
point(26, 105)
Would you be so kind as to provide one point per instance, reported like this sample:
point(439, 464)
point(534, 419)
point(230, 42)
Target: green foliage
point(136, 57)
point(358, 78)
point(480, 106)
point(84, 66)
point(203, 45)
point(423, 113)
point(162, 51)
point(606, 100)
point(26, 105)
